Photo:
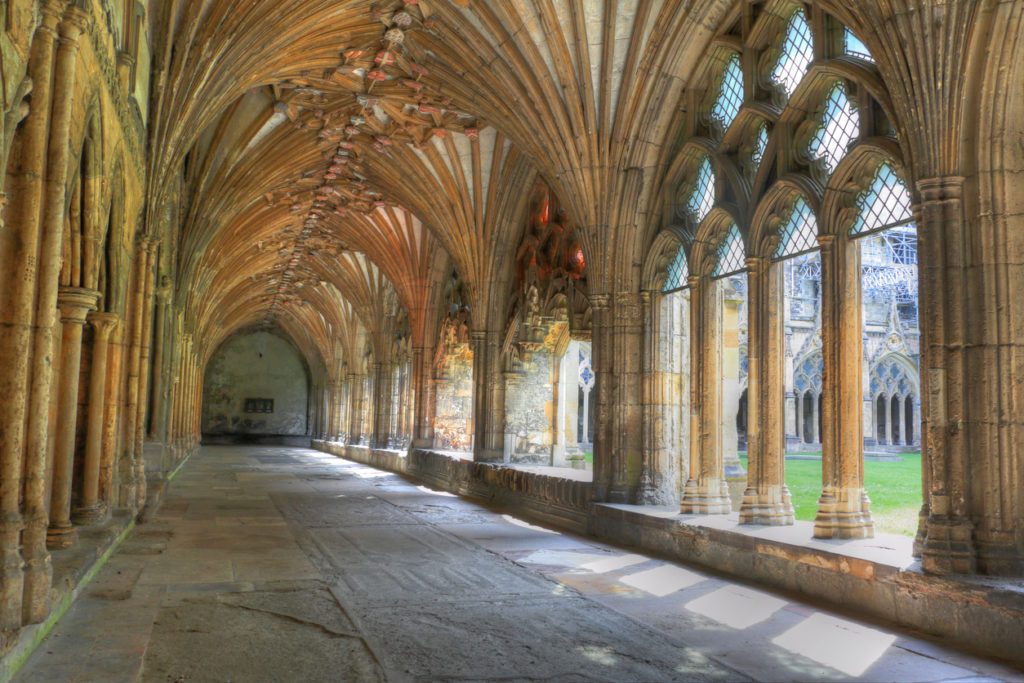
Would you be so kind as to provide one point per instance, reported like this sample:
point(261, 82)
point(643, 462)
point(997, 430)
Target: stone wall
point(258, 365)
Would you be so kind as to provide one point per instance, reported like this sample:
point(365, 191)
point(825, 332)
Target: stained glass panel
point(730, 95)
point(797, 53)
point(839, 126)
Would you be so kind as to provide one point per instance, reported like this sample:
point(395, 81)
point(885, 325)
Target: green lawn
point(893, 487)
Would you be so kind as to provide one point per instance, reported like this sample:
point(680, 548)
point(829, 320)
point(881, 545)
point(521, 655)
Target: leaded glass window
point(703, 196)
point(839, 125)
point(884, 204)
point(678, 272)
point(760, 145)
point(730, 94)
point(731, 255)
point(855, 47)
point(797, 53)
point(800, 231)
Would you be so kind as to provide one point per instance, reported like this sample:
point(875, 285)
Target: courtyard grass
point(893, 487)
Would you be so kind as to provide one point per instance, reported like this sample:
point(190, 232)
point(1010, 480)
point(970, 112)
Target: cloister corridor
point(289, 564)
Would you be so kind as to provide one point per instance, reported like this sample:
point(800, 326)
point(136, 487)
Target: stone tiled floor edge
point(30, 637)
point(884, 588)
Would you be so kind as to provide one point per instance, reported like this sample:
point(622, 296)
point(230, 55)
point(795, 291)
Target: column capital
point(600, 301)
point(941, 188)
point(103, 323)
point(827, 241)
point(755, 263)
point(75, 303)
point(75, 21)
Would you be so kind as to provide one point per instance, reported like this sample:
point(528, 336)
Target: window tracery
point(800, 231)
point(702, 197)
point(678, 272)
point(730, 94)
point(731, 254)
point(839, 126)
point(796, 54)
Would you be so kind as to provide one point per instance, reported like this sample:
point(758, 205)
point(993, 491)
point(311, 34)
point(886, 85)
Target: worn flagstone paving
point(287, 564)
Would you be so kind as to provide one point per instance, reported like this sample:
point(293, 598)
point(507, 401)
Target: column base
point(767, 506)
point(489, 455)
point(922, 529)
point(708, 497)
point(618, 494)
point(948, 546)
point(61, 536)
point(844, 513)
point(11, 574)
point(90, 515)
point(38, 575)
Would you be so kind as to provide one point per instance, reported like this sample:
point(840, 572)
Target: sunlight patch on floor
point(663, 580)
point(840, 644)
point(736, 606)
point(432, 492)
point(614, 563)
point(526, 525)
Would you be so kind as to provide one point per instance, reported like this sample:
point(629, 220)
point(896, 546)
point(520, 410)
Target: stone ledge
point(552, 500)
point(73, 568)
point(874, 577)
point(877, 578)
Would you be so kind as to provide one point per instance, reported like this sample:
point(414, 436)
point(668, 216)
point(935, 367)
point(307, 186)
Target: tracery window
point(799, 233)
point(730, 95)
point(854, 47)
point(885, 204)
point(839, 125)
point(703, 196)
point(732, 256)
point(760, 146)
point(678, 272)
point(796, 54)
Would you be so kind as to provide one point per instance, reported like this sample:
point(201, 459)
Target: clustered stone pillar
point(624, 337)
point(423, 431)
point(75, 303)
point(355, 409)
point(843, 508)
point(949, 535)
point(706, 490)
point(91, 508)
point(601, 323)
point(766, 500)
point(382, 402)
point(23, 590)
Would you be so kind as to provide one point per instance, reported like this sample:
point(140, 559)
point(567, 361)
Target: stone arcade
point(608, 263)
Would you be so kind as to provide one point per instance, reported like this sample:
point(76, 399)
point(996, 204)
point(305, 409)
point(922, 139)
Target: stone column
point(843, 508)
point(144, 372)
point(949, 544)
point(423, 431)
point(163, 298)
point(651, 471)
point(601, 324)
point(625, 338)
point(75, 303)
point(24, 591)
point(706, 491)
point(800, 418)
point(382, 405)
point(91, 510)
point(489, 424)
point(355, 402)
point(766, 500)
